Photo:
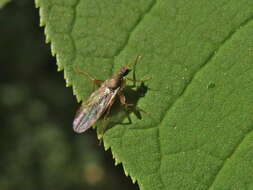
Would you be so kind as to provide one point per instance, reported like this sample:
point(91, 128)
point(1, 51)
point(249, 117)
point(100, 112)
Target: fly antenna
point(138, 57)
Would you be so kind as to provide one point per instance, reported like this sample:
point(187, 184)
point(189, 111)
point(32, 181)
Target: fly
point(101, 100)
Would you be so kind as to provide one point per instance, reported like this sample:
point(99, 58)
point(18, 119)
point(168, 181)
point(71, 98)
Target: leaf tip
point(53, 50)
point(59, 69)
point(74, 92)
point(118, 161)
point(37, 3)
point(133, 180)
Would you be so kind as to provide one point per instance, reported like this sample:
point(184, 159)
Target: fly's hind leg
point(95, 82)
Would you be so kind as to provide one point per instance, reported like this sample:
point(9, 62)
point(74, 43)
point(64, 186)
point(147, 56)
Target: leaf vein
point(72, 26)
point(209, 58)
point(228, 158)
point(131, 31)
point(149, 9)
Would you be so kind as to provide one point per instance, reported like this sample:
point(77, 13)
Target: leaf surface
point(3, 3)
point(198, 130)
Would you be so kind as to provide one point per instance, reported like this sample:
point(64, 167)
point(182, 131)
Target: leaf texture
point(198, 133)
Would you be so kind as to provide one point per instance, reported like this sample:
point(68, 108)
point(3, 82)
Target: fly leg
point(137, 59)
point(134, 69)
point(133, 107)
point(140, 81)
point(134, 66)
point(122, 99)
point(93, 80)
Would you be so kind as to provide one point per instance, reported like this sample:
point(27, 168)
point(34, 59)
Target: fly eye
point(126, 72)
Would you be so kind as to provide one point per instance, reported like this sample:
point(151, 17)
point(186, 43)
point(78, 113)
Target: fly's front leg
point(137, 59)
point(87, 75)
point(140, 81)
point(133, 66)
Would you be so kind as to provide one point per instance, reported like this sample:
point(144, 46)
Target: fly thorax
point(113, 83)
point(107, 90)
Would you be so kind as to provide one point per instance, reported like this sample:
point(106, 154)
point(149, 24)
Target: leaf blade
point(186, 48)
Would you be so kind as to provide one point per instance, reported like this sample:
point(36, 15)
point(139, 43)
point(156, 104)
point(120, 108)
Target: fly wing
point(92, 110)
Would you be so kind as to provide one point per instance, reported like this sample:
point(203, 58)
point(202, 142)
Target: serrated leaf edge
point(118, 161)
point(68, 84)
point(53, 49)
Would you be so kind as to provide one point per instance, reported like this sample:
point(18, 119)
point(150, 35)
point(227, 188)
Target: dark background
point(38, 148)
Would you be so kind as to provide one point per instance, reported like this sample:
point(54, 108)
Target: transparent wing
point(92, 110)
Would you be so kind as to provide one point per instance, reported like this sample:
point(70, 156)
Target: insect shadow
point(119, 112)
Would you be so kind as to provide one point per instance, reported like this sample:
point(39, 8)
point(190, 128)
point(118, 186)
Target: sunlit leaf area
point(39, 149)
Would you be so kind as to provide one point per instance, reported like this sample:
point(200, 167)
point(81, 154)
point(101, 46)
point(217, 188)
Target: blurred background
point(38, 148)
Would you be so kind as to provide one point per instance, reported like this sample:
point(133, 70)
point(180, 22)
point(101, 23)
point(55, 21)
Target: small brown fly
point(101, 100)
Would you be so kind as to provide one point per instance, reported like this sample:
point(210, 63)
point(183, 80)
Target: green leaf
point(197, 133)
point(3, 3)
